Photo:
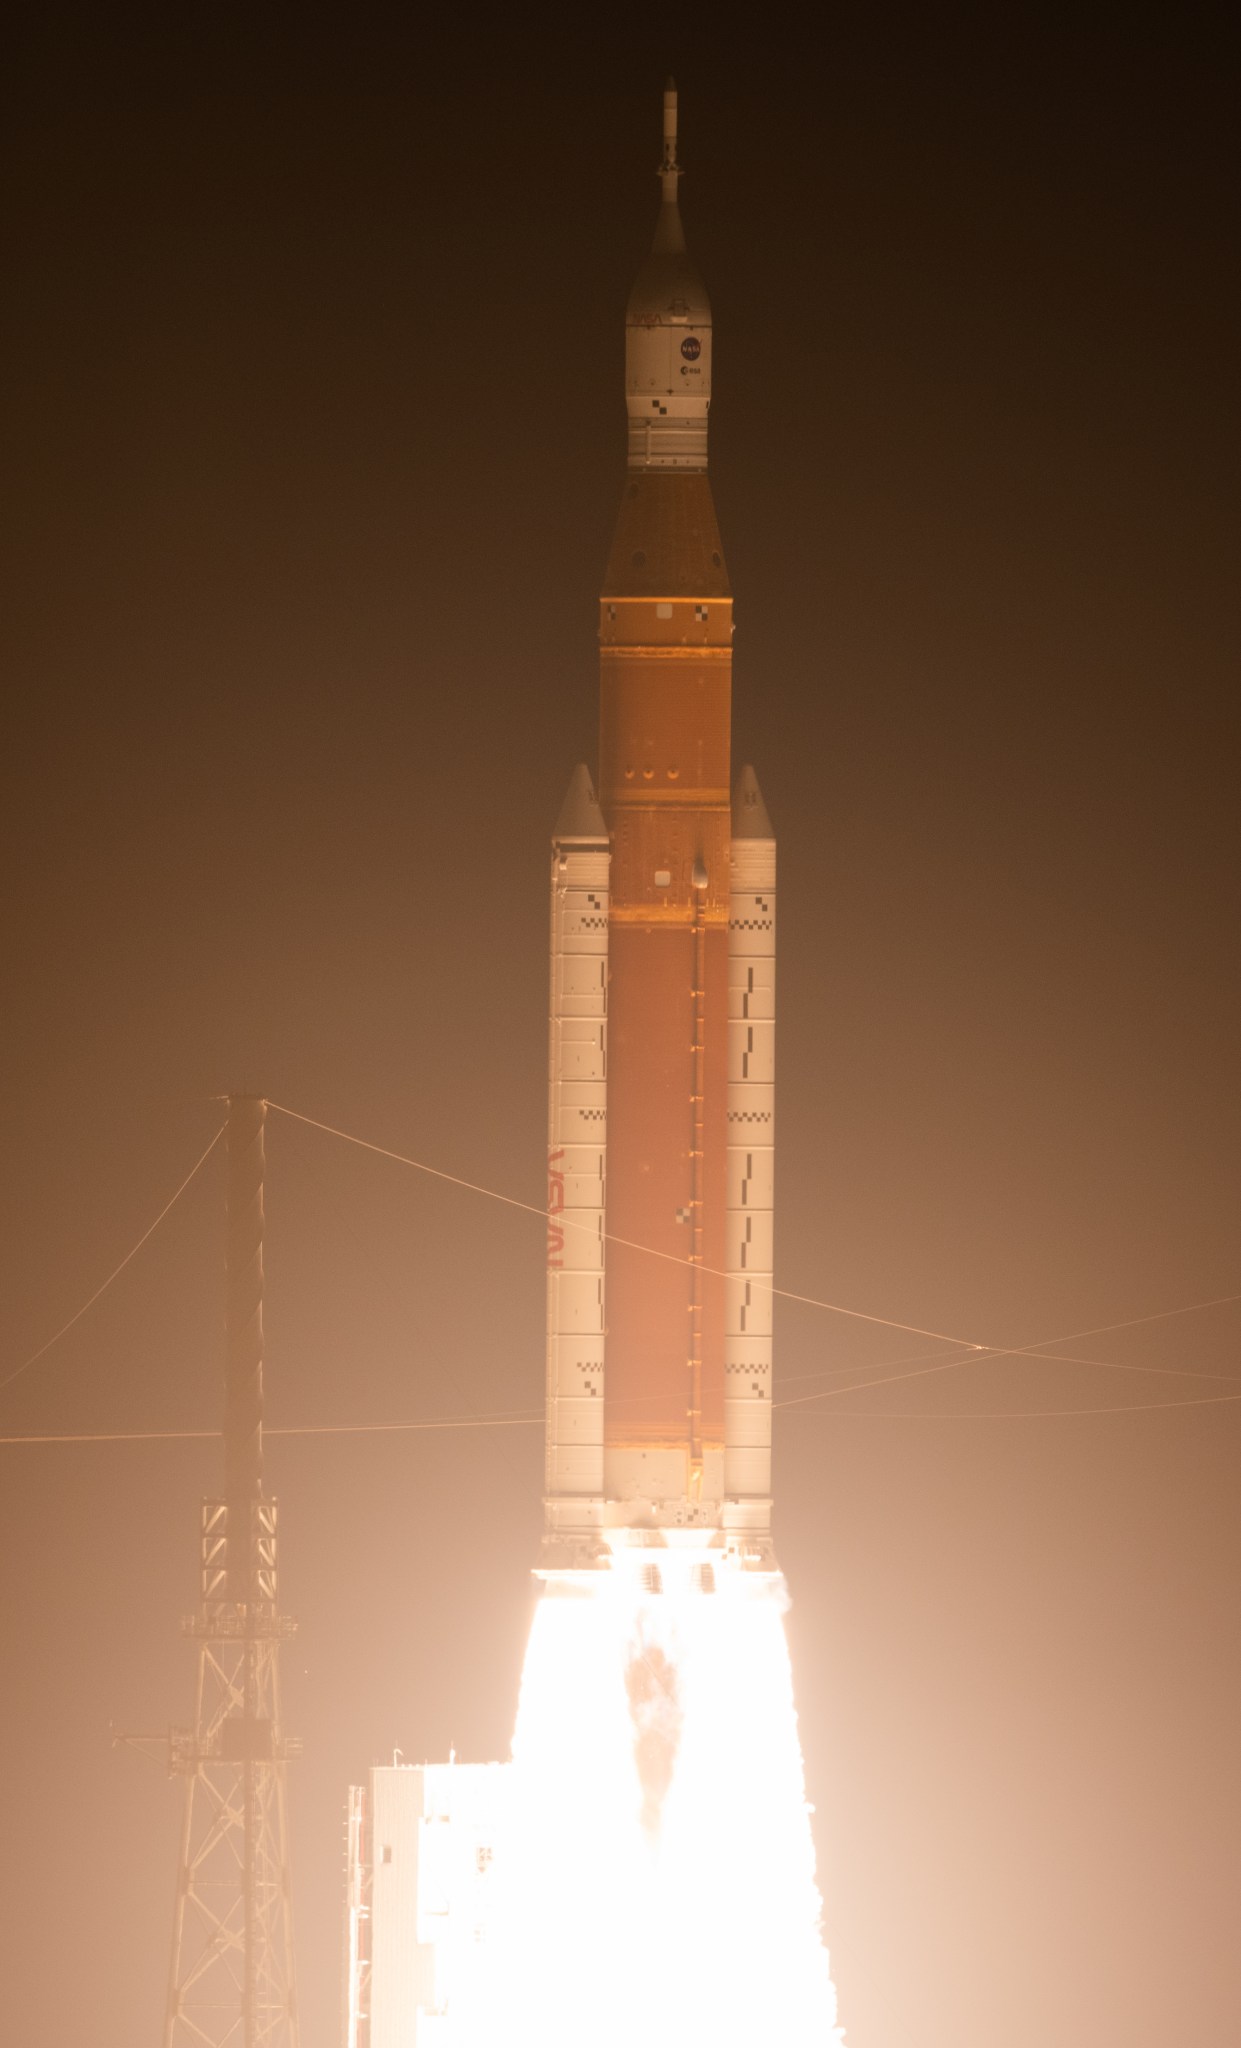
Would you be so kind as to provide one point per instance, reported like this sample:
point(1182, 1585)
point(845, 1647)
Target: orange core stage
point(664, 780)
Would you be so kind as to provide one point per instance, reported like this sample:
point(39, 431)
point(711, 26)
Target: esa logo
point(691, 348)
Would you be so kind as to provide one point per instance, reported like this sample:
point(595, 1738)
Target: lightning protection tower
point(231, 1983)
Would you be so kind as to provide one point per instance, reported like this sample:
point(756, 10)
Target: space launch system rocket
point(661, 1123)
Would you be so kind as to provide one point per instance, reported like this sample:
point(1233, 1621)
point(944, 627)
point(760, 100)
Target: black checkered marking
point(762, 923)
point(758, 1375)
point(590, 1365)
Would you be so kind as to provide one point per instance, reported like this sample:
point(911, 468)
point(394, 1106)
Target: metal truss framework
point(232, 1982)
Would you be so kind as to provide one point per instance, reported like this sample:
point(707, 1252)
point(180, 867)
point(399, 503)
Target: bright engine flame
point(656, 1881)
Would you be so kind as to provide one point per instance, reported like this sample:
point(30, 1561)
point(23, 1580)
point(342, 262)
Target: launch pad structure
point(231, 1981)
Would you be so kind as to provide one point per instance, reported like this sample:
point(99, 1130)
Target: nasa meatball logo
point(691, 348)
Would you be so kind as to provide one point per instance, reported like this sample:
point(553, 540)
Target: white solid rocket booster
point(576, 1159)
point(751, 1162)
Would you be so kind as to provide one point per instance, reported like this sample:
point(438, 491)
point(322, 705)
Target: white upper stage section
point(668, 338)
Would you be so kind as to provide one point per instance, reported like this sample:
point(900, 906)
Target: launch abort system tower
point(661, 1127)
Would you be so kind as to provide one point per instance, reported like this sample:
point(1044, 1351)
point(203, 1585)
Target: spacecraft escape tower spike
point(231, 1979)
point(661, 1070)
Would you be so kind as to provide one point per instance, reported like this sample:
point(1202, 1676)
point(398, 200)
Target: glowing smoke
point(656, 1883)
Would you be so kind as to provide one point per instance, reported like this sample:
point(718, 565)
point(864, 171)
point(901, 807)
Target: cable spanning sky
point(971, 1351)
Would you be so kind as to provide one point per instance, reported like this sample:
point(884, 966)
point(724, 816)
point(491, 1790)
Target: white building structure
point(419, 1850)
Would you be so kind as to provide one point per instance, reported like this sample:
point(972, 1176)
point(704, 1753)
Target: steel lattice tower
point(231, 1983)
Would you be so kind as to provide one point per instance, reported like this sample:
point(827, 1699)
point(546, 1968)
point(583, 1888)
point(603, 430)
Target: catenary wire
point(1037, 1351)
point(948, 1364)
point(970, 1351)
point(649, 1251)
point(1176, 1372)
point(982, 1353)
point(168, 1436)
point(116, 1272)
point(141, 1436)
point(1016, 1414)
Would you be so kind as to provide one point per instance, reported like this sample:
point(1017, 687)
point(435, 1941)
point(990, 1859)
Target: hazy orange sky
point(314, 437)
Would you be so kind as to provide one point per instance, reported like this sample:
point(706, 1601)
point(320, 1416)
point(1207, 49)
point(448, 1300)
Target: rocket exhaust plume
point(656, 1877)
point(656, 1881)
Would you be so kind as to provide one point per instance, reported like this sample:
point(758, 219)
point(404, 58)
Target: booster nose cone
point(581, 821)
point(668, 337)
point(750, 819)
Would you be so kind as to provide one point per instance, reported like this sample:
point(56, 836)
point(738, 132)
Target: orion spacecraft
point(661, 1071)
